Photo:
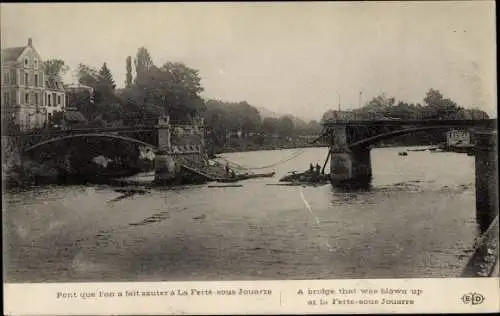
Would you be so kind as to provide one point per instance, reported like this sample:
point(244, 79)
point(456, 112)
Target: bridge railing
point(489, 123)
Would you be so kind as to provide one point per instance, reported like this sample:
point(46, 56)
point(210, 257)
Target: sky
point(297, 58)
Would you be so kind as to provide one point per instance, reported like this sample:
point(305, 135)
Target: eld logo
point(473, 298)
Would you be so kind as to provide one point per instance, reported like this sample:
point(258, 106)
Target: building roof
point(12, 53)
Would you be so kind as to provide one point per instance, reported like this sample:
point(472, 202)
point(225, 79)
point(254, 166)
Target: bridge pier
point(165, 167)
point(348, 166)
point(486, 170)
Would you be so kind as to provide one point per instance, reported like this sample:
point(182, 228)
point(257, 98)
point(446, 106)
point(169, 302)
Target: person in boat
point(311, 167)
point(233, 175)
point(227, 169)
point(318, 169)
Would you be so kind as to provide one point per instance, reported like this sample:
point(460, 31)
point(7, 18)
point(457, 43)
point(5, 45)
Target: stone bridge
point(171, 143)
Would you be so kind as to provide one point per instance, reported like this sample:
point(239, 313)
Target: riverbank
point(30, 173)
point(484, 260)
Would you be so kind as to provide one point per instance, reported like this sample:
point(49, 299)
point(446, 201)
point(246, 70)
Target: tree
point(269, 125)
point(106, 78)
point(128, 78)
point(87, 75)
point(300, 126)
point(403, 111)
point(477, 114)
point(314, 127)
point(175, 87)
point(55, 67)
point(377, 107)
point(438, 106)
point(246, 116)
point(100, 80)
point(81, 101)
point(106, 104)
point(285, 126)
point(143, 63)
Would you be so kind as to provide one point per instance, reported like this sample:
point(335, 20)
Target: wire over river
point(296, 154)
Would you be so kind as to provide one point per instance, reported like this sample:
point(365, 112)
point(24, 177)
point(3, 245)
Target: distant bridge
point(350, 161)
point(363, 133)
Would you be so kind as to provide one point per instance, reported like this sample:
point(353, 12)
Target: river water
point(417, 220)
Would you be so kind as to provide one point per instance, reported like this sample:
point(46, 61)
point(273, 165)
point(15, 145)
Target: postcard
point(249, 158)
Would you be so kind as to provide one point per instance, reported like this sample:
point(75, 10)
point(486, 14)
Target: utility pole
point(339, 101)
point(359, 101)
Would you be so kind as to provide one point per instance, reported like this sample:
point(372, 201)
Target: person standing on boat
point(318, 169)
point(227, 168)
point(311, 167)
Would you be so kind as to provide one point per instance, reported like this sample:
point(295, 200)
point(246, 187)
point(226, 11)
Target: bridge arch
point(377, 138)
point(91, 135)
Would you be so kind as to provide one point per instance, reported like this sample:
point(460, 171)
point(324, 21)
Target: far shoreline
point(238, 150)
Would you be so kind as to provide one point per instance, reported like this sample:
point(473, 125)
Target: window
point(6, 98)
point(26, 78)
point(26, 98)
point(36, 63)
point(6, 78)
point(36, 98)
point(59, 100)
point(50, 103)
point(13, 77)
point(36, 80)
point(46, 103)
point(26, 62)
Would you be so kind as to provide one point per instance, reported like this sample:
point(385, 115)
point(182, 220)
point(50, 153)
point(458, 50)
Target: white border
point(436, 296)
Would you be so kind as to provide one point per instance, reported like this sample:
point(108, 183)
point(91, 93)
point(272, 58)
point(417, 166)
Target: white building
point(456, 137)
point(26, 88)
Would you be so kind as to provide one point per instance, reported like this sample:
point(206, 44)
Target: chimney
point(30, 42)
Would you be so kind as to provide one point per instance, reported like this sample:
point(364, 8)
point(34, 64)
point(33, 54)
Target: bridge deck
point(490, 123)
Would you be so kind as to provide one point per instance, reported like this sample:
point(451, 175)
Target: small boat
point(403, 153)
point(417, 149)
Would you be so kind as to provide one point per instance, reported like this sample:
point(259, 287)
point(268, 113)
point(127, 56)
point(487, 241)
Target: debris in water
point(226, 186)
